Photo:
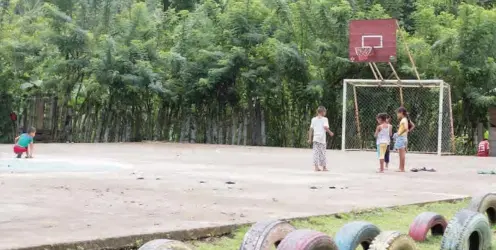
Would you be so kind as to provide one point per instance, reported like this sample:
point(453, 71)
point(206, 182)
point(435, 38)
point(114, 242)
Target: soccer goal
point(427, 101)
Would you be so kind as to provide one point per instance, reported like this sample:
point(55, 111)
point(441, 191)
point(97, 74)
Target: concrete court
point(75, 192)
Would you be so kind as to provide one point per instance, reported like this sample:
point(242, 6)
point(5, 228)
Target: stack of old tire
point(468, 229)
point(280, 234)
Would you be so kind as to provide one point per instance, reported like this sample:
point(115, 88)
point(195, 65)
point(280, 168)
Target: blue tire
point(355, 234)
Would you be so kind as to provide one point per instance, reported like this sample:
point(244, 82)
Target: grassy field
point(386, 219)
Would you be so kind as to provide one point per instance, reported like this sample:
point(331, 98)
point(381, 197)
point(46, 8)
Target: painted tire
point(425, 222)
point(467, 230)
point(307, 240)
point(485, 204)
point(164, 245)
point(393, 240)
point(265, 235)
point(354, 234)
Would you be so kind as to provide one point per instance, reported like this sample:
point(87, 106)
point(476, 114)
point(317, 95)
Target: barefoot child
point(383, 137)
point(318, 127)
point(402, 136)
point(24, 143)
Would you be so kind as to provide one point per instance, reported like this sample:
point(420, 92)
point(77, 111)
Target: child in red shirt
point(483, 149)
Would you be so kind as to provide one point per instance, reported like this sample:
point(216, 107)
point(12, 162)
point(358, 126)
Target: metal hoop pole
point(373, 71)
point(399, 83)
point(378, 72)
point(402, 103)
point(394, 71)
point(412, 61)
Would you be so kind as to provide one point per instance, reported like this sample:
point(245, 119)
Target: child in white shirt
point(318, 128)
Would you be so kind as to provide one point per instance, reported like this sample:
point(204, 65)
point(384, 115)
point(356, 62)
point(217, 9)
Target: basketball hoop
point(363, 52)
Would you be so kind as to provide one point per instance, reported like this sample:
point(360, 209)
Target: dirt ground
point(74, 192)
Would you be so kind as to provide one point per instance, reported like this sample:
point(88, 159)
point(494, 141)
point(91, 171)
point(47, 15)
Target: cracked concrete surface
point(77, 192)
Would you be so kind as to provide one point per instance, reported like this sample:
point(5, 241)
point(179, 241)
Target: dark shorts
point(19, 150)
point(386, 157)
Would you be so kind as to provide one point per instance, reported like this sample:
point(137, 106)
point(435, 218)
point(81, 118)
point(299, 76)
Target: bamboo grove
point(244, 72)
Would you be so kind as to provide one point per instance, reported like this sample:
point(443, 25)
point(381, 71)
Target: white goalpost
point(427, 101)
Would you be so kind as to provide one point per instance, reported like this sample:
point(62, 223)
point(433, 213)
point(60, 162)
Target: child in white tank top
point(383, 139)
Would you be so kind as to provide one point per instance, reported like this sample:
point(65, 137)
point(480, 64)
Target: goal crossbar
point(397, 86)
point(444, 89)
point(417, 82)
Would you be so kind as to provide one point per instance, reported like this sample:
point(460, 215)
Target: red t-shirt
point(483, 149)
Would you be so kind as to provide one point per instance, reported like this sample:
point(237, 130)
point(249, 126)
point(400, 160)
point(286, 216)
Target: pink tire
point(425, 222)
point(307, 240)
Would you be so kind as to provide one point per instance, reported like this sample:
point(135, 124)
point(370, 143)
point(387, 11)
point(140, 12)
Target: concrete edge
point(126, 242)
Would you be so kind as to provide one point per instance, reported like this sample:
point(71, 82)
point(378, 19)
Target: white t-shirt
point(318, 125)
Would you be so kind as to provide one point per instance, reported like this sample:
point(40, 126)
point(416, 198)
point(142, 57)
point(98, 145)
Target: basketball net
point(363, 52)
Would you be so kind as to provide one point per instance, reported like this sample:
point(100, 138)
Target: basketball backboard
point(372, 40)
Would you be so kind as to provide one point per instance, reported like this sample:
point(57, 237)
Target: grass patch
point(386, 219)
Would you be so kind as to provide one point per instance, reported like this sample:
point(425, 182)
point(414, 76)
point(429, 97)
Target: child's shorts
point(401, 142)
point(19, 150)
point(381, 150)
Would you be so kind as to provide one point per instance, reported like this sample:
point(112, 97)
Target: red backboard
point(374, 37)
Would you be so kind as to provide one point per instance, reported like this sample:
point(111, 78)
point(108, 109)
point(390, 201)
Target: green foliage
point(460, 142)
point(6, 125)
point(217, 71)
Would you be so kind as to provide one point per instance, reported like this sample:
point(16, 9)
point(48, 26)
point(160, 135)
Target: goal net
point(427, 101)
